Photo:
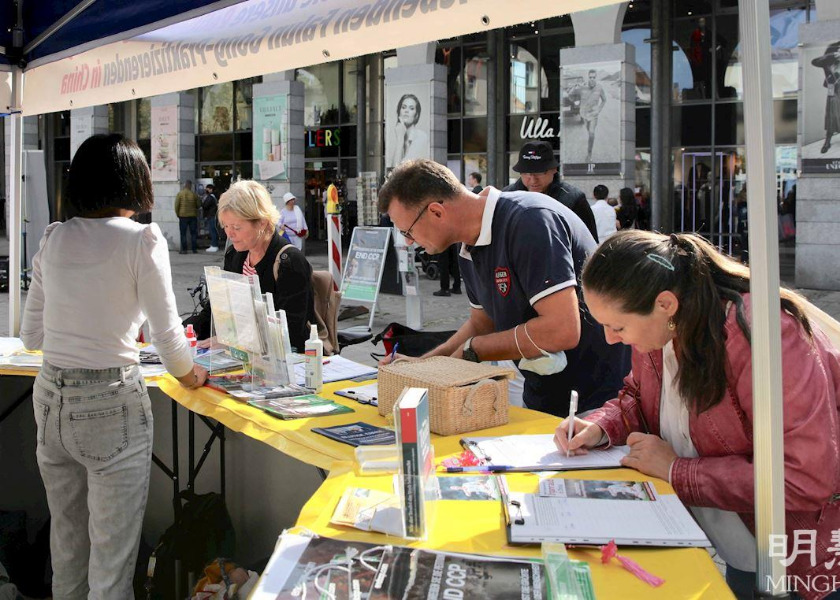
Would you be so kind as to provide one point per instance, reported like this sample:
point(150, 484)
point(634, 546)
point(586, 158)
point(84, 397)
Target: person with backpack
point(209, 203)
point(249, 218)
point(96, 278)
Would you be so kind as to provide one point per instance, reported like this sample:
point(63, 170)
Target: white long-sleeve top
point(94, 282)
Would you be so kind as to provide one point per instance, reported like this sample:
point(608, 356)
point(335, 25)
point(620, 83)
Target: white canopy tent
point(208, 44)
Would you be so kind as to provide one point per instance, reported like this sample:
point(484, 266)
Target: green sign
point(365, 262)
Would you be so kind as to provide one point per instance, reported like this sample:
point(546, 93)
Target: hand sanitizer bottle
point(192, 342)
point(314, 349)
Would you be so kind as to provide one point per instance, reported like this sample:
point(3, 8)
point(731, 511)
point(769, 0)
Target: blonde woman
point(249, 219)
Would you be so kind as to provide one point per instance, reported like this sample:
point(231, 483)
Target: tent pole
point(764, 288)
point(15, 212)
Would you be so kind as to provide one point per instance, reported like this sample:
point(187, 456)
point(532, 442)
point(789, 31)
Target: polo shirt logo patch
point(503, 281)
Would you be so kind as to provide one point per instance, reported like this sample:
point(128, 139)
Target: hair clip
point(661, 261)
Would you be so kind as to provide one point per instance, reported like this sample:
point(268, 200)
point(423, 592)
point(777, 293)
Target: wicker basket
point(463, 396)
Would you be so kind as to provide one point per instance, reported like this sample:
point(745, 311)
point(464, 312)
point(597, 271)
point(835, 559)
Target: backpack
point(202, 531)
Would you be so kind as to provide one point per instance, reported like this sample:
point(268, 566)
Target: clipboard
point(664, 522)
point(363, 394)
point(527, 453)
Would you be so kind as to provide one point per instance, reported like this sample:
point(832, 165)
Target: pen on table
point(480, 469)
point(573, 402)
point(394, 352)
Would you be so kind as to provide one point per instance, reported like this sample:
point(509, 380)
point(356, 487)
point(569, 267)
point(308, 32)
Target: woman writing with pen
point(686, 408)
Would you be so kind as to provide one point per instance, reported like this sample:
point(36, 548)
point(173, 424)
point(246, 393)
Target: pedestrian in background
point(209, 203)
point(537, 167)
point(627, 210)
point(474, 182)
point(605, 217)
point(187, 206)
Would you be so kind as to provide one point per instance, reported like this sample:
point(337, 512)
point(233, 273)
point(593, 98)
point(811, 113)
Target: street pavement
point(439, 313)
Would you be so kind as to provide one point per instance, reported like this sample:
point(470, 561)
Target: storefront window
point(526, 84)
point(638, 37)
point(784, 38)
point(450, 56)
point(244, 98)
point(321, 94)
point(348, 100)
point(144, 126)
point(116, 117)
point(475, 80)
point(692, 67)
point(217, 108)
point(215, 147)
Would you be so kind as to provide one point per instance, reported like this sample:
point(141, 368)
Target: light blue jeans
point(94, 451)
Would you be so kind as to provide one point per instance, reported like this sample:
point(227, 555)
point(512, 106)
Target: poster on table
point(271, 137)
point(364, 265)
point(591, 118)
point(408, 109)
point(164, 143)
point(821, 108)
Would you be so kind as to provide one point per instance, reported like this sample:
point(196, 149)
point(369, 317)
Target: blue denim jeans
point(94, 452)
point(211, 229)
point(191, 224)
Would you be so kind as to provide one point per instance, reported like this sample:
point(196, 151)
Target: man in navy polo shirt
point(521, 261)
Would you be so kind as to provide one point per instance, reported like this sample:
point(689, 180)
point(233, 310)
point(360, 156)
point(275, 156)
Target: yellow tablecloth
point(296, 438)
point(477, 527)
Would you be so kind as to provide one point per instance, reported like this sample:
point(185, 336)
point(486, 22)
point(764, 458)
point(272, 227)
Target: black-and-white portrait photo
point(591, 118)
point(407, 123)
point(821, 110)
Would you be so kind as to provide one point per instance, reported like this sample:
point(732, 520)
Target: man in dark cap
point(537, 167)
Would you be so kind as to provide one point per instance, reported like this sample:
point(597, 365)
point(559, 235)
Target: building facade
point(477, 99)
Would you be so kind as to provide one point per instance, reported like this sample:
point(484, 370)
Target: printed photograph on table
point(164, 143)
point(271, 137)
point(407, 123)
point(590, 141)
point(821, 108)
point(603, 490)
point(473, 487)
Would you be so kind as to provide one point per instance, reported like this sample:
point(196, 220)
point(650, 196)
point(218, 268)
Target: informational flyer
point(271, 137)
point(164, 143)
point(365, 259)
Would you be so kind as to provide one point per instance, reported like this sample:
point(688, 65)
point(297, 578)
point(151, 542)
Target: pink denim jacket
point(722, 475)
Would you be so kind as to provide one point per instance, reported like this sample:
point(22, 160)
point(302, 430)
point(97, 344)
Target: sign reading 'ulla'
point(536, 129)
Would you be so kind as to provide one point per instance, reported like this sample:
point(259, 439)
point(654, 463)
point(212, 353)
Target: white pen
point(572, 410)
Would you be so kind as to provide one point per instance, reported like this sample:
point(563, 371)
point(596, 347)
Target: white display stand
point(364, 267)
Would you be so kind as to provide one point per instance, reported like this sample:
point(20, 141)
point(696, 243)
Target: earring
point(671, 325)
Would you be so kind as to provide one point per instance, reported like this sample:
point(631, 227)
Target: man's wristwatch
point(468, 353)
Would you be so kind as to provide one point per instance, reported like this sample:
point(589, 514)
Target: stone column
point(85, 122)
point(817, 206)
point(165, 191)
point(278, 84)
point(416, 65)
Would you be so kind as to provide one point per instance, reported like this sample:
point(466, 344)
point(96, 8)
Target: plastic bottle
point(314, 349)
point(192, 341)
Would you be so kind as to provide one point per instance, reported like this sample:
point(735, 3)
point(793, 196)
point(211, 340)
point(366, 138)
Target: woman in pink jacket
point(686, 408)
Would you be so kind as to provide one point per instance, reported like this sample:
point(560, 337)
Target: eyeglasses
point(407, 232)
